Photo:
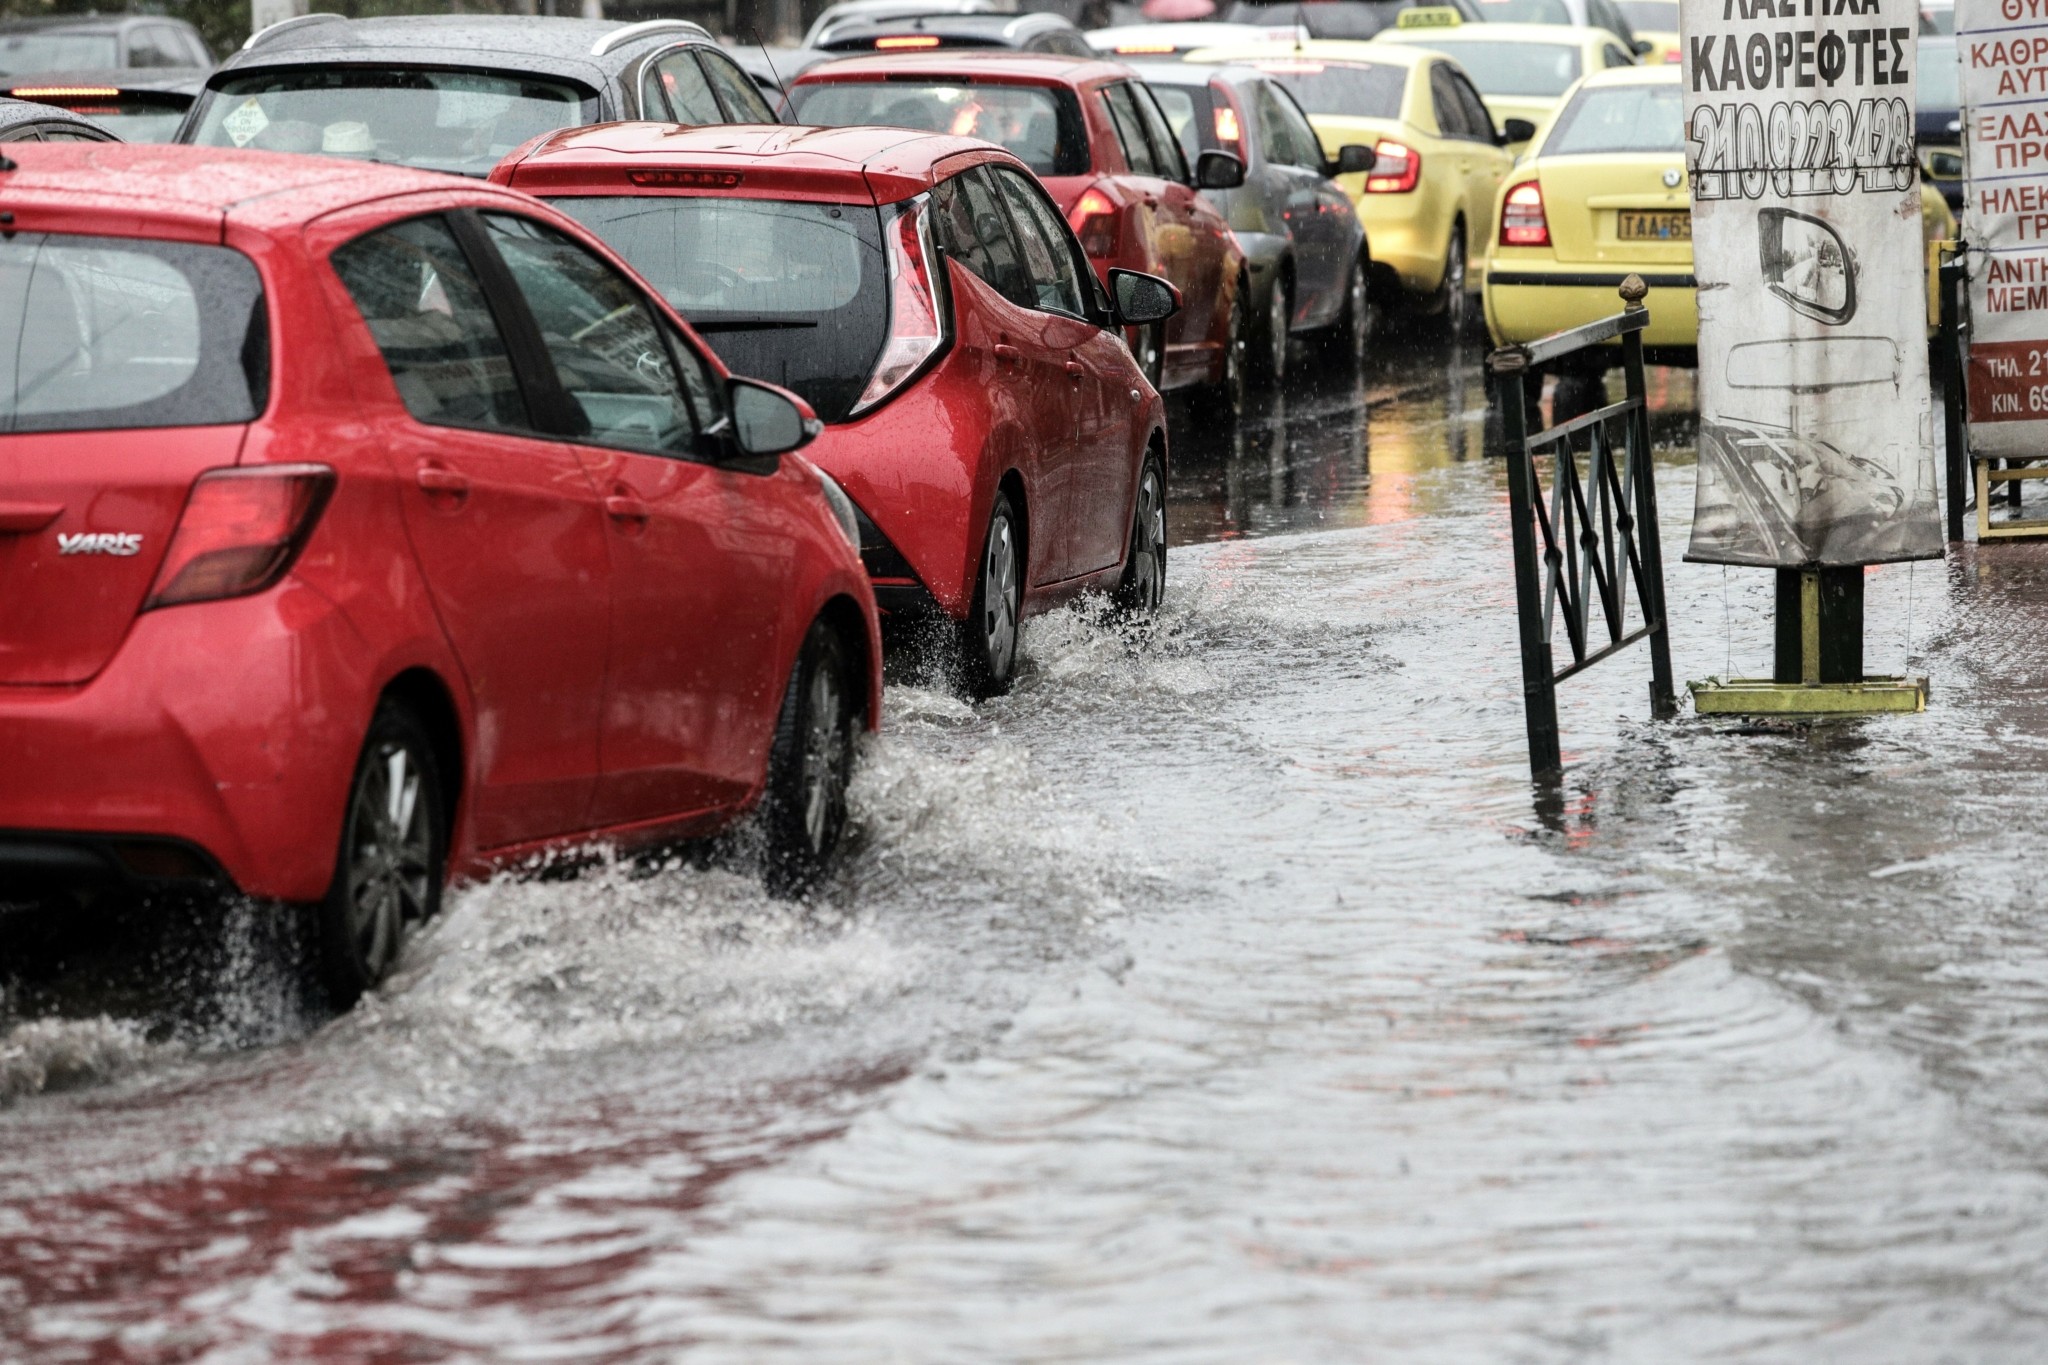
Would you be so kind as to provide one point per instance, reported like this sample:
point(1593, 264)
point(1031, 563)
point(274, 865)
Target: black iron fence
point(1584, 502)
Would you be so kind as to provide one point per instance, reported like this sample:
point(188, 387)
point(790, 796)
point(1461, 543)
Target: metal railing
point(1597, 527)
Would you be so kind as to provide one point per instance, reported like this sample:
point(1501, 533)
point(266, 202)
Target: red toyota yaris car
point(1092, 132)
point(924, 295)
point(362, 527)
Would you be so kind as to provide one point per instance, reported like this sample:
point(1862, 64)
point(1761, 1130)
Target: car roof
point(1324, 49)
point(1045, 67)
point(1004, 26)
point(888, 163)
point(1165, 72)
point(1182, 37)
point(202, 186)
point(455, 39)
point(1557, 35)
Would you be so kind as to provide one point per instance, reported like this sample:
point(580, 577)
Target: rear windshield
point(1325, 18)
point(1540, 69)
point(793, 293)
point(1040, 124)
point(1524, 12)
point(1343, 89)
point(1619, 118)
point(129, 118)
point(460, 121)
point(1655, 16)
point(105, 332)
point(24, 54)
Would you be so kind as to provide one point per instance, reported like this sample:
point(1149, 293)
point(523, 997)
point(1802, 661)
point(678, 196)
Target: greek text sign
point(1815, 443)
point(2003, 48)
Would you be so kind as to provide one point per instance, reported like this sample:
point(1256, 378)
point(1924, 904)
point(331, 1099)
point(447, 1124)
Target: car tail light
point(1144, 49)
point(1521, 217)
point(1396, 168)
point(901, 44)
point(1093, 219)
point(1673, 57)
point(45, 93)
point(1228, 131)
point(916, 329)
point(241, 529)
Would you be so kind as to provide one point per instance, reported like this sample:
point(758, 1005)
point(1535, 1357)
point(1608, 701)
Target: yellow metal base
point(1764, 697)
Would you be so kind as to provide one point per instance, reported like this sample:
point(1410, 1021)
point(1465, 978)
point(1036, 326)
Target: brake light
point(1093, 219)
point(241, 529)
point(1396, 168)
point(1521, 217)
point(898, 44)
point(1227, 129)
point(916, 331)
point(704, 180)
point(46, 93)
point(1673, 57)
point(1143, 49)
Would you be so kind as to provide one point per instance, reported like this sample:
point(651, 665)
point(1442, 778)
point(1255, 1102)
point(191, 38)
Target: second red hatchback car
point(923, 294)
point(362, 526)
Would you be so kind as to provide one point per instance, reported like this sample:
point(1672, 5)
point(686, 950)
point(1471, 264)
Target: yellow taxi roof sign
point(1429, 16)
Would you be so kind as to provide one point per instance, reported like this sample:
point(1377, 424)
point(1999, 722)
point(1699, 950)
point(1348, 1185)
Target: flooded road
point(1217, 996)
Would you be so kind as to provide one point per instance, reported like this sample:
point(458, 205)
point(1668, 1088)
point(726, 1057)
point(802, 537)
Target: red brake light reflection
point(1396, 168)
point(1093, 219)
point(915, 329)
point(1521, 217)
point(241, 529)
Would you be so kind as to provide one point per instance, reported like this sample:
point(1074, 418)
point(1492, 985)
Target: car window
point(608, 354)
point(736, 90)
point(1659, 16)
point(1166, 149)
point(1346, 89)
point(424, 306)
point(1048, 251)
point(1187, 113)
point(1527, 12)
point(1619, 118)
point(28, 53)
point(974, 229)
point(1300, 134)
point(1130, 129)
point(1611, 56)
point(1443, 97)
point(1520, 67)
point(679, 81)
point(1041, 124)
point(155, 45)
point(58, 133)
point(99, 333)
point(1478, 117)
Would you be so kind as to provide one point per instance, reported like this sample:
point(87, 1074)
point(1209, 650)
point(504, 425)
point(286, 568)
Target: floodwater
point(1221, 995)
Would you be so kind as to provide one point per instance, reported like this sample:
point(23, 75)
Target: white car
point(898, 9)
point(1174, 40)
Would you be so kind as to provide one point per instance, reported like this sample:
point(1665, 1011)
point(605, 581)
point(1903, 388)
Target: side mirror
point(767, 420)
point(1218, 171)
point(1642, 47)
point(1353, 158)
point(1513, 130)
point(1142, 299)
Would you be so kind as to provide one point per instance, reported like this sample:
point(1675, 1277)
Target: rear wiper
point(750, 324)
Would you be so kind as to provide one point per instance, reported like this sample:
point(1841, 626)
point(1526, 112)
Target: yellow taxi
point(1522, 70)
point(1427, 204)
point(1601, 195)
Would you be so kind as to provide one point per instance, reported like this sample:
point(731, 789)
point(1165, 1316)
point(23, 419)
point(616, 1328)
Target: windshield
point(1941, 76)
point(1345, 89)
point(25, 54)
point(1619, 118)
point(1041, 125)
point(460, 121)
point(794, 293)
point(98, 333)
point(1524, 12)
point(1654, 16)
point(1538, 69)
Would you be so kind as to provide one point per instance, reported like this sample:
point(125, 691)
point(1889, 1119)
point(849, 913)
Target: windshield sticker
point(246, 122)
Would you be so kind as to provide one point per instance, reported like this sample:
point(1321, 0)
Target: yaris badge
point(99, 543)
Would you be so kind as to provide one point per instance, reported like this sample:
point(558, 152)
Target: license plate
point(1653, 227)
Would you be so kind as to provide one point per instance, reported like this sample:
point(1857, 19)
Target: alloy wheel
point(1147, 576)
point(826, 757)
point(389, 866)
point(1457, 303)
point(1000, 598)
point(1278, 314)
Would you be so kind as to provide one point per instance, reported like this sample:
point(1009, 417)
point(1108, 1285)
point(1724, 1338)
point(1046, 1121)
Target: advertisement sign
point(2003, 48)
point(1816, 432)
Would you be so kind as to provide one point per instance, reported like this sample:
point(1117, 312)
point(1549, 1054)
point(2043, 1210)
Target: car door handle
point(1075, 369)
point(26, 518)
point(439, 479)
point(1008, 355)
point(625, 507)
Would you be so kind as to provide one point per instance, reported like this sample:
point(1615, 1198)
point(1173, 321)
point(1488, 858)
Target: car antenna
point(784, 101)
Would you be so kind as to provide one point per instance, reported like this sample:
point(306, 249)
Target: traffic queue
point(491, 437)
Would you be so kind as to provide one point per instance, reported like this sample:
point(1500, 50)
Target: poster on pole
point(1816, 428)
point(2003, 48)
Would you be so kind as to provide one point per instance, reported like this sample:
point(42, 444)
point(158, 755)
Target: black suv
point(458, 92)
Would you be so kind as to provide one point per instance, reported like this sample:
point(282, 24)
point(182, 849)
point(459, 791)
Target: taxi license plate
point(1653, 227)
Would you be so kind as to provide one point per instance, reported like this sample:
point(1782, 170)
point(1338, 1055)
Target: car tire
point(1225, 398)
point(1453, 304)
point(1143, 584)
point(1269, 343)
point(990, 635)
point(389, 868)
point(1345, 345)
point(810, 763)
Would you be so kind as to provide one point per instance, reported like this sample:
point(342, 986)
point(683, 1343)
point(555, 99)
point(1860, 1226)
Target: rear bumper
point(40, 864)
point(1525, 303)
point(227, 729)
